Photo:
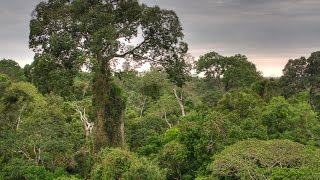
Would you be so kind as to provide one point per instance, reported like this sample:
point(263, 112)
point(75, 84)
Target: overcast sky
point(269, 32)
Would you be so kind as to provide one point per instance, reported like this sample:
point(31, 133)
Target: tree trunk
point(108, 109)
point(99, 101)
point(311, 99)
point(143, 105)
point(180, 101)
point(165, 118)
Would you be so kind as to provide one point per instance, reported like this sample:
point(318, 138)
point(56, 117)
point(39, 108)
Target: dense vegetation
point(71, 115)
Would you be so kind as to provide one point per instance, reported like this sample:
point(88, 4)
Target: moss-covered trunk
point(108, 109)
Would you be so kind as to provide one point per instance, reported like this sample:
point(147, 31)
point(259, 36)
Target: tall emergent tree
point(303, 75)
point(228, 72)
point(11, 69)
point(95, 32)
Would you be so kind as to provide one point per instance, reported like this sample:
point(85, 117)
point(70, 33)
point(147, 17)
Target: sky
point(268, 32)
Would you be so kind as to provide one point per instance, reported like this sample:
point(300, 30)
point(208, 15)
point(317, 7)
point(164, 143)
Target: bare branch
point(179, 101)
point(131, 51)
point(25, 154)
point(165, 118)
point(88, 126)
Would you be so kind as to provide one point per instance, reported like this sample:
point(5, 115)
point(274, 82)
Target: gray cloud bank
point(14, 19)
point(269, 32)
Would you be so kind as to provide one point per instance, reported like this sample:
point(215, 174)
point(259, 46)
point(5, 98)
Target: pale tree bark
point(180, 100)
point(18, 123)
point(36, 154)
point(167, 121)
point(25, 154)
point(88, 126)
point(19, 117)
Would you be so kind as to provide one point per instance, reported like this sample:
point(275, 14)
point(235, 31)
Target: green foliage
point(244, 104)
point(267, 88)
point(302, 75)
point(118, 163)
point(166, 107)
point(152, 84)
point(294, 71)
point(18, 100)
point(201, 136)
point(50, 76)
point(11, 69)
point(213, 64)
point(171, 134)
point(240, 74)
point(94, 34)
point(82, 85)
point(173, 156)
point(4, 83)
point(59, 123)
point(205, 91)
point(143, 134)
point(46, 136)
point(114, 116)
point(233, 72)
point(290, 173)
point(177, 66)
point(34, 128)
point(22, 169)
point(254, 159)
point(290, 121)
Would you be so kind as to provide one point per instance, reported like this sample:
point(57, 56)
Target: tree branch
point(131, 51)
point(165, 118)
point(179, 101)
point(25, 154)
point(88, 126)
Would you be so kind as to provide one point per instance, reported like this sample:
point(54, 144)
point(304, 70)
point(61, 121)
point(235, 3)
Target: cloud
point(269, 32)
point(14, 19)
